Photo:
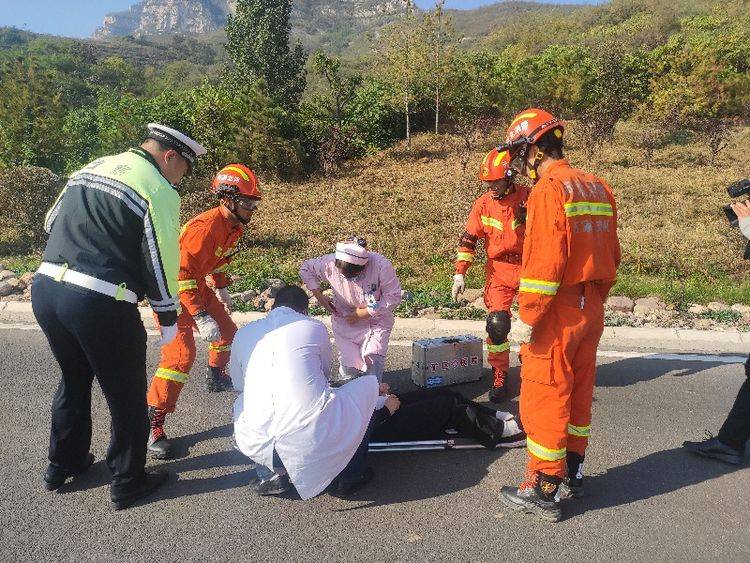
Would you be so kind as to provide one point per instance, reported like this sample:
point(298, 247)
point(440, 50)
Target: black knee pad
point(498, 326)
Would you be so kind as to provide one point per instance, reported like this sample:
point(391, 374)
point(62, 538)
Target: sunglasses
point(247, 204)
point(359, 240)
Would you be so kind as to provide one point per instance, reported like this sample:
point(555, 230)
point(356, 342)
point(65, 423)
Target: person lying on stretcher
point(427, 414)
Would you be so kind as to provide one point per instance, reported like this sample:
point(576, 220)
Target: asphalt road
point(647, 499)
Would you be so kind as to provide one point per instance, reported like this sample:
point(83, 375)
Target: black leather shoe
point(276, 485)
point(342, 488)
point(55, 477)
point(152, 480)
point(497, 395)
point(715, 449)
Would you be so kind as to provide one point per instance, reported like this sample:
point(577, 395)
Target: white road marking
point(705, 358)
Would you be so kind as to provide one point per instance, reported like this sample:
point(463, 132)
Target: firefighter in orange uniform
point(570, 259)
point(207, 244)
point(498, 218)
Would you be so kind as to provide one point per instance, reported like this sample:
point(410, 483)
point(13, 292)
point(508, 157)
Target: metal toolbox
point(436, 362)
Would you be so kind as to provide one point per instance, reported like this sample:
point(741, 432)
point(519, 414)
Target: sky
point(79, 18)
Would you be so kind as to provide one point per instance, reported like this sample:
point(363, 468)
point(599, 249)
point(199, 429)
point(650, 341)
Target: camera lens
point(738, 189)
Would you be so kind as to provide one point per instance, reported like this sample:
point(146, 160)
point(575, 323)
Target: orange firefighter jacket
point(571, 237)
point(499, 222)
point(207, 243)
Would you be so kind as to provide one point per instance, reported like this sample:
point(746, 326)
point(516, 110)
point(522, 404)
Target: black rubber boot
point(55, 477)
point(538, 496)
point(217, 380)
point(572, 485)
point(159, 446)
point(152, 480)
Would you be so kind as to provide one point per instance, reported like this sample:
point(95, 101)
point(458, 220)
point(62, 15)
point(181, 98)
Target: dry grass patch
point(411, 206)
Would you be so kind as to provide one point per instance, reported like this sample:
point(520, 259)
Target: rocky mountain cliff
point(340, 27)
point(154, 17)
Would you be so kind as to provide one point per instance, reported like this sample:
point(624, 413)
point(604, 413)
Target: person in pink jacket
point(366, 291)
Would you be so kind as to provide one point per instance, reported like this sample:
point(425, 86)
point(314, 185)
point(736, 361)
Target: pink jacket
point(379, 280)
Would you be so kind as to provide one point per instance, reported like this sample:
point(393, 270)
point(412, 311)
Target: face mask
point(351, 271)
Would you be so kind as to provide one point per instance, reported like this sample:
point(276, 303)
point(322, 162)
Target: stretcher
point(425, 445)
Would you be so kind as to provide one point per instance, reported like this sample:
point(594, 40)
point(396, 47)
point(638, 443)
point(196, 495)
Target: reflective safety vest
point(117, 220)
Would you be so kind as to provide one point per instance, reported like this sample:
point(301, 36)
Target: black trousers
point(736, 429)
point(92, 335)
point(425, 415)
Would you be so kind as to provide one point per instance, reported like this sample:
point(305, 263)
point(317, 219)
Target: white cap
point(180, 142)
point(351, 252)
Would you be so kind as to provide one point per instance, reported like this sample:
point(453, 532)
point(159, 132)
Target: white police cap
point(180, 142)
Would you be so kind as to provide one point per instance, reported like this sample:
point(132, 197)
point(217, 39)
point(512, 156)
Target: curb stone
point(410, 328)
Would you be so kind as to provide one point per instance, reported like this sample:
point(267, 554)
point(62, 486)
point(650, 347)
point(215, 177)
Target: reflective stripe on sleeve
point(220, 348)
point(582, 431)
point(171, 375)
point(465, 257)
point(491, 222)
point(187, 285)
point(578, 208)
point(538, 286)
point(537, 450)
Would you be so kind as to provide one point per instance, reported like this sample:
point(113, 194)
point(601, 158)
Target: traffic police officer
point(113, 240)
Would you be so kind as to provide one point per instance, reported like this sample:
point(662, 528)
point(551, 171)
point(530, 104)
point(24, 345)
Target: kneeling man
point(286, 409)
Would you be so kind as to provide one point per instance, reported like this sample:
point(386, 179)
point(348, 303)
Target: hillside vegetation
point(411, 206)
point(657, 94)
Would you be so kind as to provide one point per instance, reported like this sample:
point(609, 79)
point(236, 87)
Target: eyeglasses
point(247, 204)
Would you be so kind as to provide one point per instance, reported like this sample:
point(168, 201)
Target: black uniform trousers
point(92, 335)
point(736, 429)
point(426, 414)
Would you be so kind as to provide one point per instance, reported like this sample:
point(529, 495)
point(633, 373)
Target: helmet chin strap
point(531, 171)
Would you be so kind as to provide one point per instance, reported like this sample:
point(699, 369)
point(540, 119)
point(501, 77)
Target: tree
point(612, 85)
point(31, 116)
point(325, 116)
point(401, 57)
point(441, 39)
point(258, 45)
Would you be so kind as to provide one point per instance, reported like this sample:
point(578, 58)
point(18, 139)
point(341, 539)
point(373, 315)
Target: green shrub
point(27, 192)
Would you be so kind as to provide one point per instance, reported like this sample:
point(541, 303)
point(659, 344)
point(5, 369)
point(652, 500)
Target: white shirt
point(281, 364)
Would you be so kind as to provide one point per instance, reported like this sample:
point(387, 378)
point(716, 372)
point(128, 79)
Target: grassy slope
point(411, 207)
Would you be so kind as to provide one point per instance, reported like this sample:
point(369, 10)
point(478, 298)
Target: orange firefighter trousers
point(500, 289)
point(558, 375)
point(178, 356)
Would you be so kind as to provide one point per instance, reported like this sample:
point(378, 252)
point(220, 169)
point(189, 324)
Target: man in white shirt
point(286, 409)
